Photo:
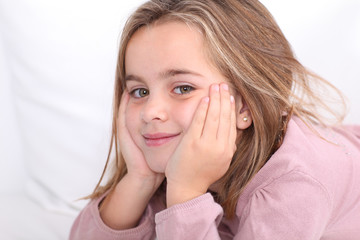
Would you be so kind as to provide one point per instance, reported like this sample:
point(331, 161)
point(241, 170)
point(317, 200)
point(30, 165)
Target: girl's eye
point(140, 92)
point(183, 89)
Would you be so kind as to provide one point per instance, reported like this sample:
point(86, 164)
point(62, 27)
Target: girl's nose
point(155, 109)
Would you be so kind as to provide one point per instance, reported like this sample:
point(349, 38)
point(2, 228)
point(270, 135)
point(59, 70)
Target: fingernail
point(216, 87)
point(225, 86)
point(232, 99)
point(206, 99)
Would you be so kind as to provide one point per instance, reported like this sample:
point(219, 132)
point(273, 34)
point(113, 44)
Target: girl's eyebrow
point(173, 72)
point(132, 77)
point(165, 74)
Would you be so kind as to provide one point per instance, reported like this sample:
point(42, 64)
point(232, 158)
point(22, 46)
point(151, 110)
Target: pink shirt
point(309, 189)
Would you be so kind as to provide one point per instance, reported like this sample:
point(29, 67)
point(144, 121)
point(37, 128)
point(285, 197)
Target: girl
point(217, 134)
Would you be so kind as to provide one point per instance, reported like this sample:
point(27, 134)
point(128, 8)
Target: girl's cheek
point(132, 114)
point(188, 112)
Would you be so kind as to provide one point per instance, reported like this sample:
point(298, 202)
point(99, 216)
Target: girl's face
point(167, 74)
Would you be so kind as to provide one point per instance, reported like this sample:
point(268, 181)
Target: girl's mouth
point(158, 139)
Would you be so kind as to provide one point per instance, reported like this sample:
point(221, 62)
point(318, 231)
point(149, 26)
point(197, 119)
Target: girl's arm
point(90, 225)
point(125, 213)
point(123, 209)
point(125, 205)
point(197, 218)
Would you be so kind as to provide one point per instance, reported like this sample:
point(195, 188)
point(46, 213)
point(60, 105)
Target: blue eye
point(183, 89)
point(139, 92)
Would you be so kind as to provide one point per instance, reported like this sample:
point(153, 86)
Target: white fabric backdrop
point(57, 63)
point(325, 35)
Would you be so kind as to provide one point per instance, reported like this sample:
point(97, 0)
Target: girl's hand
point(205, 152)
point(123, 207)
point(135, 161)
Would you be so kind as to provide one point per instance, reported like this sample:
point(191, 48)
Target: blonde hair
point(246, 45)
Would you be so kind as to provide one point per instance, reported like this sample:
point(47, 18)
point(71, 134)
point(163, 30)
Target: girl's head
point(167, 73)
point(238, 40)
point(175, 46)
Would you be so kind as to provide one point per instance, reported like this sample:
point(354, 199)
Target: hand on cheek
point(205, 152)
point(136, 164)
point(123, 207)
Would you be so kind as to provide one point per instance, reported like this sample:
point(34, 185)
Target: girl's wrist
point(124, 206)
point(176, 194)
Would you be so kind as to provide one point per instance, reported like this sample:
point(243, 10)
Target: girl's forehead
point(170, 43)
point(168, 29)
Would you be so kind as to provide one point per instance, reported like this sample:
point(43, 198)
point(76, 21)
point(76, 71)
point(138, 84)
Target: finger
point(225, 113)
point(122, 109)
point(233, 130)
point(197, 124)
point(123, 133)
point(213, 114)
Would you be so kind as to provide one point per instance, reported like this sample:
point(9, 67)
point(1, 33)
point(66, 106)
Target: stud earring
point(245, 119)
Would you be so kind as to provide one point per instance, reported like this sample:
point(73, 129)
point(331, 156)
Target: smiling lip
point(158, 139)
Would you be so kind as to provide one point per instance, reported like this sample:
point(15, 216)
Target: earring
point(245, 119)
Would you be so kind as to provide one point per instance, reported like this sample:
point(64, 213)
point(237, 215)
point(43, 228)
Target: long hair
point(243, 41)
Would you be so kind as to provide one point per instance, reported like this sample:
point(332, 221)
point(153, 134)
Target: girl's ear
point(243, 114)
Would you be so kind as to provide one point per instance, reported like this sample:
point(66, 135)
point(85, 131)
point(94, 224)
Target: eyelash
point(190, 89)
point(136, 92)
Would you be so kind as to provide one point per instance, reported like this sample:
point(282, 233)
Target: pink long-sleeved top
point(309, 189)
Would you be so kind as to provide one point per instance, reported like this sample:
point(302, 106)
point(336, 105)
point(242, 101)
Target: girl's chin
point(158, 167)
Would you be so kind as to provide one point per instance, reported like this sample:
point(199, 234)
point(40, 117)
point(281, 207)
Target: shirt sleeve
point(195, 219)
point(89, 225)
point(294, 206)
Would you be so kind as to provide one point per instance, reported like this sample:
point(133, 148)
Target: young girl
point(217, 134)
